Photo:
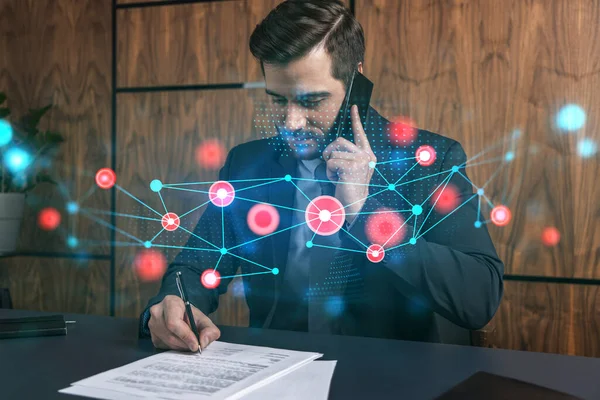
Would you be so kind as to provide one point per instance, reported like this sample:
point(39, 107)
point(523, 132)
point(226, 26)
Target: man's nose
point(295, 118)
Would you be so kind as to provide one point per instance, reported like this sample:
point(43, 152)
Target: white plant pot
point(11, 217)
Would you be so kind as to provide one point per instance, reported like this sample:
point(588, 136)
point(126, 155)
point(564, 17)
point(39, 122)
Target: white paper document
point(222, 371)
point(311, 381)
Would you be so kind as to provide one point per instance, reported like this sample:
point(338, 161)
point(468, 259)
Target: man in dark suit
point(434, 260)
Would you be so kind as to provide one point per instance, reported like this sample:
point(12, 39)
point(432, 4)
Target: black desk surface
point(36, 368)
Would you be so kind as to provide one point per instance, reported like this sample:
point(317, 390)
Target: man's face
point(305, 101)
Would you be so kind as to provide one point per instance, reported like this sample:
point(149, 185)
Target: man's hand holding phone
point(348, 167)
point(170, 328)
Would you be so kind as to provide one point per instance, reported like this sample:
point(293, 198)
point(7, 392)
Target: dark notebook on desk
point(483, 385)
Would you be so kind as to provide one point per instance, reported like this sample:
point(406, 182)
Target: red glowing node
point(325, 215)
point(170, 221)
point(150, 265)
point(385, 228)
point(375, 253)
point(425, 155)
point(445, 199)
point(263, 219)
point(210, 154)
point(402, 131)
point(550, 236)
point(210, 279)
point(106, 178)
point(500, 215)
point(221, 193)
point(49, 218)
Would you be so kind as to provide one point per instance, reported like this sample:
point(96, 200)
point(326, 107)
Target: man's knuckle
point(171, 326)
point(155, 311)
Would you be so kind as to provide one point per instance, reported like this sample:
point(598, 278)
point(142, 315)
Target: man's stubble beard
point(316, 151)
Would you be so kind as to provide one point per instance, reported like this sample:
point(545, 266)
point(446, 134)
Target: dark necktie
point(327, 282)
point(327, 187)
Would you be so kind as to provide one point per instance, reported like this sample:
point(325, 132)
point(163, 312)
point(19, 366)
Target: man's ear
point(360, 67)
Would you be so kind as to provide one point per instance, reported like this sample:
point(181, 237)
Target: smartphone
point(359, 93)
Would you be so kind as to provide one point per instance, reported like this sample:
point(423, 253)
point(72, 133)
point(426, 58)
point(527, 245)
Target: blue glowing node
point(72, 241)
point(288, 178)
point(275, 271)
point(391, 186)
point(72, 207)
point(509, 156)
point(455, 168)
point(412, 241)
point(223, 251)
point(477, 224)
point(417, 209)
point(309, 244)
point(570, 118)
point(480, 192)
point(6, 132)
point(16, 159)
point(147, 244)
point(156, 185)
point(372, 164)
point(586, 147)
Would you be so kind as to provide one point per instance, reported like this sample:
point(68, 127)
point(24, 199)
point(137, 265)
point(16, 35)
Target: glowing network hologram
point(324, 215)
point(386, 228)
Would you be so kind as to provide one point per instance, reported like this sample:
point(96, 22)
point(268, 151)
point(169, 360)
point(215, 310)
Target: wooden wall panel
point(136, 1)
point(177, 45)
point(549, 317)
point(158, 135)
point(57, 284)
point(479, 71)
point(58, 51)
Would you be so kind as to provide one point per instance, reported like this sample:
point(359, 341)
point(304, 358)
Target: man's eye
point(310, 104)
point(279, 102)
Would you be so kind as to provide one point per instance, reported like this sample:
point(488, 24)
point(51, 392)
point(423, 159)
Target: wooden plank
point(57, 284)
point(479, 71)
point(136, 1)
point(66, 63)
point(549, 317)
point(157, 137)
point(176, 45)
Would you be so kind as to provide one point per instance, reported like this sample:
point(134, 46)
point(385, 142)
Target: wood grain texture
point(480, 70)
point(158, 134)
point(57, 284)
point(178, 45)
point(58, 51)
point(136, 1)
point(549, 317)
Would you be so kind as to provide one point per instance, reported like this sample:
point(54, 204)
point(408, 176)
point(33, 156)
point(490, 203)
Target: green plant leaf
point(41, 177)
point(44, 144)
point(51, 137)
point(31, 120)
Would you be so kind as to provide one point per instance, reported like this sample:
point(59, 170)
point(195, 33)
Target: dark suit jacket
point(452, 270)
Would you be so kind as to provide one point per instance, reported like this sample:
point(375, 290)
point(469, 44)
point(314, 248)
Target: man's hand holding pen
point(170, 329)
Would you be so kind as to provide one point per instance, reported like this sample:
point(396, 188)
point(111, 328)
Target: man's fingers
point(342, 155)
point(340, 144)
point(360, 137)
point(170, 342)
point(207, 330)
point(174, 321)
point(209, 335)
